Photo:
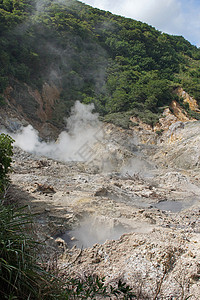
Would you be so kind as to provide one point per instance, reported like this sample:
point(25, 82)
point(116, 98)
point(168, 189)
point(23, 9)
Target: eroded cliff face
point(188, 99)
point(180, 146)
point(44, 110)
point(26, 105)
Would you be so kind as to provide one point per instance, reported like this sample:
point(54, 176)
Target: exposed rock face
point(42, 110)
point(50, 94)
point(188, 99)
point(29, 106)
point(180, 146)
point(166, 121)
point(179, 112)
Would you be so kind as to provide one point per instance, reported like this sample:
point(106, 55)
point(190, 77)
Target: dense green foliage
point(5, 159)
point(94, 56)
point(18, 271)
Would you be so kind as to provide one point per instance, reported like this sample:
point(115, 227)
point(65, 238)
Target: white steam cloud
point(94, 230)
point(85, 139)
point(139, 166)
point(75, 144)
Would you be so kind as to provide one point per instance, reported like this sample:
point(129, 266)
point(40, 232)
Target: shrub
point(93, 287)
point(194, 114)
point(2, 101)
point(5, 159)
point(121, 119)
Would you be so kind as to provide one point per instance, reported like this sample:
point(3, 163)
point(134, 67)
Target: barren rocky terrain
point(130, 211)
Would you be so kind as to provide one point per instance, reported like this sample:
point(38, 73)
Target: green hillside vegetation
point(119, 64)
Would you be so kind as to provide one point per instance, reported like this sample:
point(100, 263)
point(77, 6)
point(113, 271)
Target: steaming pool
point(91, 232)
point(97, 230)
point(174, 206)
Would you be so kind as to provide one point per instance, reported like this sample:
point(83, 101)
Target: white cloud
point(153, 11)
point(179, 17)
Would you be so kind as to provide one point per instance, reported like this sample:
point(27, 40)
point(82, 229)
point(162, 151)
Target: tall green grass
point(21, 276)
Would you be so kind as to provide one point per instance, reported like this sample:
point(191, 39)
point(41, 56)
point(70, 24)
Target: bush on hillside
point(5, 159)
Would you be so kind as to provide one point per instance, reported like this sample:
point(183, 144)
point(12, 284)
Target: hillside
point(116, 200)
point(53, 53)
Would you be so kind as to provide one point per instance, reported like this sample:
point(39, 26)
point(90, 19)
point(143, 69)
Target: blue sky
point(178, 17)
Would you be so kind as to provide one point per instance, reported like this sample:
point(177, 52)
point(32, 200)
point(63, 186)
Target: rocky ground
point(131, 212)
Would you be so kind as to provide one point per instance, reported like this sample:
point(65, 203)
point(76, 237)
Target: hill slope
point(53, 53)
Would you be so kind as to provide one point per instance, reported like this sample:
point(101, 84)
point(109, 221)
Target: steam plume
point(75, 144)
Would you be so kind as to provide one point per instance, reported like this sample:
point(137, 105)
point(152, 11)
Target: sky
point(177, 17)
